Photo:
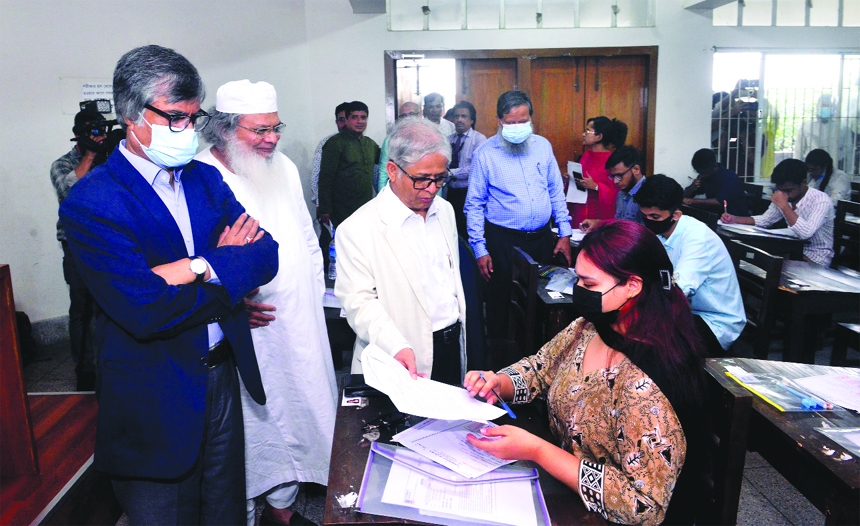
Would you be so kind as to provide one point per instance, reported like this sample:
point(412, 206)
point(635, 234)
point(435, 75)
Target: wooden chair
point(846, 335)
point(754, 194)
point(709, 218)
point(758, 276)
point(730, 406)
point(855, 192)
point(846, 236)
point(524, 300)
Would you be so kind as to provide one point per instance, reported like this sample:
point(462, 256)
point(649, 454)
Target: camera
point(96, 126)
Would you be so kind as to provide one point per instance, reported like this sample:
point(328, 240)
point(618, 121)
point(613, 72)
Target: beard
point(511, 148)
point(262, 173)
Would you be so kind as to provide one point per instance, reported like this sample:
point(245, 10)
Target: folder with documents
point(400, 483)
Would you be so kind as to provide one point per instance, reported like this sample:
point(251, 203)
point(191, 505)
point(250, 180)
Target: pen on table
point(807, 401)
point(725, 207)
point(499, 398)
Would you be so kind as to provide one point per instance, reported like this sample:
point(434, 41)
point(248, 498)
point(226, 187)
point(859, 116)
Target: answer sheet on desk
point(499, 502)
point(421, 397)
point(444, 441)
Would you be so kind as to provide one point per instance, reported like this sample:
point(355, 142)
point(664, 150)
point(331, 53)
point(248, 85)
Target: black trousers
point(500, 244)
point(446, 355)
point(457, 198)
point(712, 344)
point(213, 492)
point(82, 309)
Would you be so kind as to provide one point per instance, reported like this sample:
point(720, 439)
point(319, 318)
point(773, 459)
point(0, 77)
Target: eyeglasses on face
point(178, 121)
point(262, 132)
point(618, 177)
point(422, 183)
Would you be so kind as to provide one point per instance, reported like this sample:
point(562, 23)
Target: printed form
point(444, 441)
point(496, 502)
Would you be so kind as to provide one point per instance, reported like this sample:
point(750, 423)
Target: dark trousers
point(457, 198)
point(325, 241)
point(213, 492)
point(712, 344)
point(500, 244)
point(446, 355)
point(82, 310)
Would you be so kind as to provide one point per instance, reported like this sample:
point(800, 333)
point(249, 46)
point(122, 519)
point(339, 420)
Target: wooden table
point(789, 442)
point(807, 288)
point(789, 248)
point(349, 457)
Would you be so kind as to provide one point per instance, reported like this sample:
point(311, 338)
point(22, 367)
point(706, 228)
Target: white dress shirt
point(426, 240)
point(814, 222)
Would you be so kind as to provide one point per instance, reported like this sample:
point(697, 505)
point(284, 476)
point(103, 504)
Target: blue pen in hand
point(505, 406)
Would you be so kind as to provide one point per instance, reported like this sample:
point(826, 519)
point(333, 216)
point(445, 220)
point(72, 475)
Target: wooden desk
point(827, 291)
point(349, 457)
point(788, 248)
point(789, 442)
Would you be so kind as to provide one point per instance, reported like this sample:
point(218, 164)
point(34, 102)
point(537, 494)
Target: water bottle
point(332, 259)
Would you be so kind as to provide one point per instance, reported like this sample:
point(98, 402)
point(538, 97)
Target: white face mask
point(517, 133)
point(169, 149)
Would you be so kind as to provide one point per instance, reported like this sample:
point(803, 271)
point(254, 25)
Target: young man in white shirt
point(808, 212)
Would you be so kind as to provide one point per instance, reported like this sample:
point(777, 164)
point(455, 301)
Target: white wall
point(317, 53)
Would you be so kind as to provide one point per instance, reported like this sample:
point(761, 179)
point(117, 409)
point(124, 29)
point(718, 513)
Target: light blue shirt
point(705, 273)
point(174, 199)
point(472, 139)
point(516, 191)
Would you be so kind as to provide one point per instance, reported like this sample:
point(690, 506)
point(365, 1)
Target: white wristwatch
point(198, 267)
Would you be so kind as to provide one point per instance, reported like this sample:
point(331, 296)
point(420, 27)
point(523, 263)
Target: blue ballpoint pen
point(505, 406)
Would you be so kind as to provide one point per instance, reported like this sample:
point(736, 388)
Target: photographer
point(91, 130)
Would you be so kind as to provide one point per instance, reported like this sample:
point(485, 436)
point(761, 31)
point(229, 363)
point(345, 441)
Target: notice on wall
point(97, 90)
point(74, 90)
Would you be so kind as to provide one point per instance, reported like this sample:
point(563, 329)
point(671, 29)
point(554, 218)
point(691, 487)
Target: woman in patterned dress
point(623, 384)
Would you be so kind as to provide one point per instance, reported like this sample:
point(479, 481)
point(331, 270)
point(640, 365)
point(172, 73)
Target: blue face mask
point(170, 149)
point(825, 113)
point(516, 133)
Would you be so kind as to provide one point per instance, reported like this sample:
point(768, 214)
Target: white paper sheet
point(574, 194)
point(330, 300)
point(839, 389)
point(444, 441)
point(421, 397)
point(499, 502)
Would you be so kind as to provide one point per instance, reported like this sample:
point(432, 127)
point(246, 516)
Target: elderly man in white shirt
point(398, 270)
point(288, 440)
point(808, 212)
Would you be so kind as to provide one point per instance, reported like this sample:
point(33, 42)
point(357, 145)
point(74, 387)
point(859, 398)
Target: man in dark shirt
point(346, 170)
point(724, 191)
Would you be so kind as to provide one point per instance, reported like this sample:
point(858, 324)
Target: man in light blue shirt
point(703, 267)
point(464, 141)
point(515, 187)
point(625, 170)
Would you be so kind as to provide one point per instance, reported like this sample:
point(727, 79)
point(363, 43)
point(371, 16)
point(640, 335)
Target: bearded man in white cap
point(288, 440)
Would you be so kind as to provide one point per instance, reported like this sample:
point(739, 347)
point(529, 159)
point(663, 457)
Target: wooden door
point(617, 87)
point(558, 100)
point(481, 81)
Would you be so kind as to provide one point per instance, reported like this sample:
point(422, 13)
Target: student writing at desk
point(623, 384)
point(807, 211)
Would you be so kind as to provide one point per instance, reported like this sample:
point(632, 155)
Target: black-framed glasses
point(178, 121)
point(618, 177)
point(262, 132)
point(422, 183)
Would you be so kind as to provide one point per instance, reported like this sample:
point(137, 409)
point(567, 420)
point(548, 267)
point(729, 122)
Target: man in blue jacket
point(169, 254)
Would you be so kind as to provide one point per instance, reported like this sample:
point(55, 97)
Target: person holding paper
point(625, 170)
point(601, 137)
point(624, 386)
point(808, 212)
point(398, 268)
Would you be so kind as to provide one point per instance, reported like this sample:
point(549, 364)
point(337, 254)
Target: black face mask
point(589, 304)
point(658, 227)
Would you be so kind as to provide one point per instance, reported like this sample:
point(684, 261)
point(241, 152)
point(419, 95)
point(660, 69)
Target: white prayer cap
point(246, 98)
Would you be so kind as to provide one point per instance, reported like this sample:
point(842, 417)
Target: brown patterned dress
point(616, 420)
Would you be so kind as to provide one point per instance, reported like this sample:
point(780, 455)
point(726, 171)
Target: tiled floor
point(766, 497)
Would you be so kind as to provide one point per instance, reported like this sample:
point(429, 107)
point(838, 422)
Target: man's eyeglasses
point(178, 121)
point(262, 132)
point(422, 183)
point(618, 177)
